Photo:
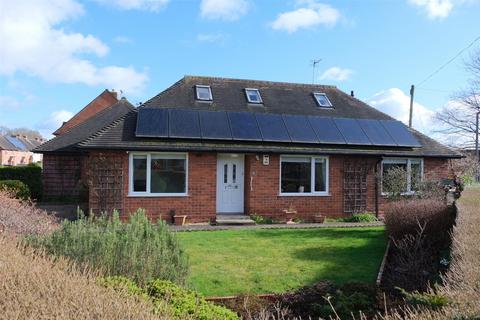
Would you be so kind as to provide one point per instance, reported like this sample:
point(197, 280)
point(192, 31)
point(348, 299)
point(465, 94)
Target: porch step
point(234, 219)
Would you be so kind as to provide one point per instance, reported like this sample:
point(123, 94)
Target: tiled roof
point(68, 141)
point(278, 97)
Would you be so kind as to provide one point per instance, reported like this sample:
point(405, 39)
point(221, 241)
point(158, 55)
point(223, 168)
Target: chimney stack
point(114, 93)
point(352, 94)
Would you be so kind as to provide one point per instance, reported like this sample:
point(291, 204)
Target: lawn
point(256, 261)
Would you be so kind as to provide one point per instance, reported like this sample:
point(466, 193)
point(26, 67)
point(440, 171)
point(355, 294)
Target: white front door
point(230, 183)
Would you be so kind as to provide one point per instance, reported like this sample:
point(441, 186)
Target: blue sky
point(57, 55)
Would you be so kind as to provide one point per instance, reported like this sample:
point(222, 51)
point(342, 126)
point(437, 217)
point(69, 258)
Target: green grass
point(257, 261)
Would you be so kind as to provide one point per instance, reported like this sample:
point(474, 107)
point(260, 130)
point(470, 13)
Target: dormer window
point(322, 100)
point(204, 93)
point(253, 95)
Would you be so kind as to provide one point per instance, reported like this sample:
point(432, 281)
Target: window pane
point(253, 96)
point(296, 176)
point(416, 174)
point(167, 176)
point(139, 174)
point(394, 177)
point(320, 175)
point(203, 93)
point(225, 173)
point(234, 173)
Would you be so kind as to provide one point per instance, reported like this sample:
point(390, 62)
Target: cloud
point(227, 10)
point(39, 47)
point(336, 74)
point(435, 9)
point(47, 126)
point(309, 14)
point(9, 102)
point(396, 103)
point(148, 5)
point(212, 37)
point(122, 40)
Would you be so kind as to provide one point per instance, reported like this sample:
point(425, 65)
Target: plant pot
point(318, 218)
point(179, 220)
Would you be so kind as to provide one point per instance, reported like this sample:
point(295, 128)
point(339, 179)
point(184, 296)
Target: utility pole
point(314, 65)
point(412, 91)
point(477, 153)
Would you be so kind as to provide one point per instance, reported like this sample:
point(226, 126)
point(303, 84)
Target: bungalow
point(207, 146)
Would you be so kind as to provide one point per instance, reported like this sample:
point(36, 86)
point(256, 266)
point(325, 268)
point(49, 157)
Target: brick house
point(16, 150)
point(208, 146)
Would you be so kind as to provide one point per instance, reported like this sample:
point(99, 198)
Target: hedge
point(17, 187)
point(31, 175)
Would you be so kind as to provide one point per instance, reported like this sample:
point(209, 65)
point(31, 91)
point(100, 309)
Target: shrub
point(359, 217)
point(22, 218)
point(430, 300)
point(38, 286)
point(185, 303)
point(317, 301)
point(30, 175)
point(263, 220)
point(167, 297)
point(16, 187)
point(139, 250)
point(404, 217)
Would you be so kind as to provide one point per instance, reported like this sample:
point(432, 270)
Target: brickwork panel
point(64, 177)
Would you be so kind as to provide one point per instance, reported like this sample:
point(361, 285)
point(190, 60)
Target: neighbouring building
point(16, 150)
point(208, 146)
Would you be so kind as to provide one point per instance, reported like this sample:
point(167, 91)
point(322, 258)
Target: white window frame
point(248, 97)
point(209, 90)
point(330, 105)
point(312, 193)
point(162, 155)
point(408, 161)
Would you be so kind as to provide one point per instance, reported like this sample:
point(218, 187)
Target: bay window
point(413, 174)
point(158, 174)
point(303, 175)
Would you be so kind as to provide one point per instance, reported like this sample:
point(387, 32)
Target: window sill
point(160, 195)
point(304, 194)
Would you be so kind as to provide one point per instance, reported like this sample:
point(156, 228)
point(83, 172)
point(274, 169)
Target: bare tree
point(458, 122)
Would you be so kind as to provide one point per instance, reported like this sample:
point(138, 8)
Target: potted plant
point(319, 218)
point(290, 214)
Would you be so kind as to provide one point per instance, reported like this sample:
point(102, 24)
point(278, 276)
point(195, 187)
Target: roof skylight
point(253, 95)
point(203, 93)
point(322, 100)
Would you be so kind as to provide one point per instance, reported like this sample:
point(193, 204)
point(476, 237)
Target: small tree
point(394, 182)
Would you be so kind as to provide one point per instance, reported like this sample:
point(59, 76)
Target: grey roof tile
point(68, 141)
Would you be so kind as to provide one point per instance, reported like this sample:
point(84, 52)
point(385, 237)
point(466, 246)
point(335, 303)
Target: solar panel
point(272, 127)
point(376, 132)
point(152, 122)
point(16, 142)
point(351, 131)
point(299, 129)
point(326, 130)
point(184, 124)
point(214, 125)
point(400, 134)
point(244, 126)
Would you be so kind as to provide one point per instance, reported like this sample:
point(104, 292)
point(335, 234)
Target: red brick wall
point(64, 177)
point(199, 205)
point(262, 190)
point(433, 169)
point(100, 103)
point(436, 168)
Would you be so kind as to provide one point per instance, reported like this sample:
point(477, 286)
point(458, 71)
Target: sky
point(57, 55)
